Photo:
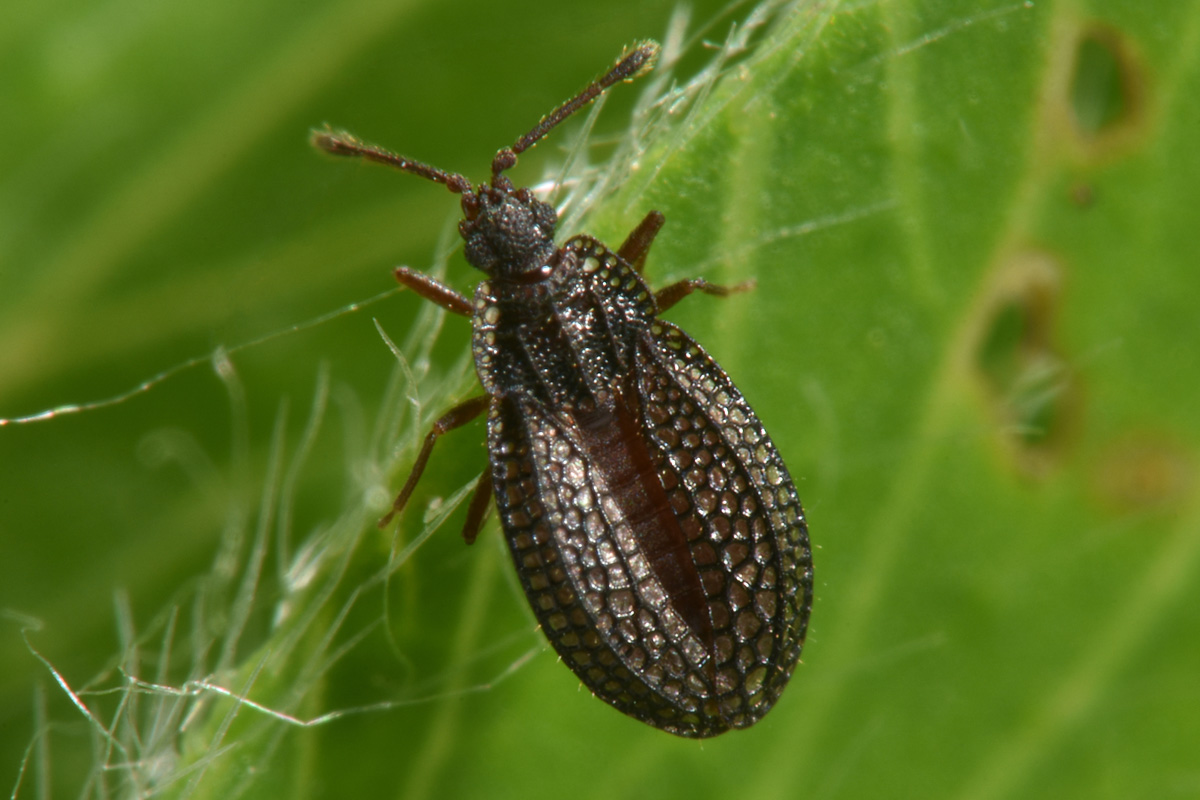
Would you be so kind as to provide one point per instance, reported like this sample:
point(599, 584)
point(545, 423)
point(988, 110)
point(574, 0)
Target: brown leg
point(434, 290)
point(637, 244)
point(670, 295)
point(478, 509)
point(456, 417)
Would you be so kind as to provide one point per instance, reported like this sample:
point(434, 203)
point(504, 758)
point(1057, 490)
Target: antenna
point(632, 63)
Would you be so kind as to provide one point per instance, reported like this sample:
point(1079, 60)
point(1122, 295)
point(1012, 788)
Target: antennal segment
point(345, 144)
point(629, 66)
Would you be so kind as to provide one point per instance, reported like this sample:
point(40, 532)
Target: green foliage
point(972, 339)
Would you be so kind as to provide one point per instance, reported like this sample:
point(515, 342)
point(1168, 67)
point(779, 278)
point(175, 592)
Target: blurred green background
point(973, 339)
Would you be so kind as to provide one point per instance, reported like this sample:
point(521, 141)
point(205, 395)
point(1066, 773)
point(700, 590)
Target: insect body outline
point(655, 529)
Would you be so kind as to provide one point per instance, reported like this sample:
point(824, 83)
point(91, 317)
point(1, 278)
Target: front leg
point(637, 244)
point(434, 290)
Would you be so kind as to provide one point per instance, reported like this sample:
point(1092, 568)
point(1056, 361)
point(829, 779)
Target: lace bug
point(654, 527)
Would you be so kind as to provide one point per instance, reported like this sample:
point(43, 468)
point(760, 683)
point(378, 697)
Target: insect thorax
point(565, 341)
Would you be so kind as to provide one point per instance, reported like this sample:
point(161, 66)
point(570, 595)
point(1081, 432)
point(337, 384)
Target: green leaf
point(972, 339)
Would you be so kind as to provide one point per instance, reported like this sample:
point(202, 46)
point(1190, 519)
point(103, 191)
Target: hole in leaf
point(1029, 383)
point(1106, 85)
